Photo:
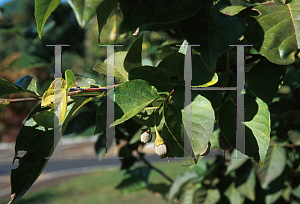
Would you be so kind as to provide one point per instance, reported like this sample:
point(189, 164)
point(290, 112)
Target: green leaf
point(233, 195)
point(155, 14)
point(275, 31)
point(257, 129)
point(294, 136)
point(45, 118)
point(180, 182)
point(43, 9)
point(214, 32)
point(203, 118)
point(134, 56)
point(147, 116)
point(103, 11)
point(296, 191)
point(70, 78)
point(201, 76)
point(84, 82)
point(120, 72)
point(101, 117)
point(28, 82)
point(176, 149)
point(100, 145)
point(257, 83)
point(8, 88)
point(174, 124)
point(155, 77)
point(170, 63)
point(212, 197)
point(274, 166)
point(245, 184)
point(232, 10)
point(234, 163)
point(38, 143)
point(84, 10)
point(188, 195)
point(28, 61)
point(132, 97)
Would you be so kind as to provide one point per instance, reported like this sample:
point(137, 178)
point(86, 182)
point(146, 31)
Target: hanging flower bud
point(161, 147)
point(146, 136)
point(224, 145)
point(206, 151)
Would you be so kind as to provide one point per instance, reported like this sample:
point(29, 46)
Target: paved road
point(85, 161)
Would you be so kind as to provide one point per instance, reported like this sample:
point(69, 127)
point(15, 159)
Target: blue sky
point(4, 1)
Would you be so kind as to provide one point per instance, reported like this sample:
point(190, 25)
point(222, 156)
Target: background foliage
point(149, 71)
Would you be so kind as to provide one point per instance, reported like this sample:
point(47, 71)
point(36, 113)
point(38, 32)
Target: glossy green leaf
point(120, 72)
point(176, 149)
point(201, 76)
point(45, 118)
point(274, 166)
point(257, 83)
point(43, 9)
point(70, 78)
point(233, 195)
point(170, 63)
point(179, 183)
point(148, 115)
point(203, 118)
point(275, 31)
point(257, 130)
point(103, 11)
point(152, 14)
point(213, 30)
point(100, 145)
point(8, 88)
point(134, 56)
point(174, 125)
point(28, 82)
point(38, 143)
point(132, 97)
point(155, 77)
point(84, 10)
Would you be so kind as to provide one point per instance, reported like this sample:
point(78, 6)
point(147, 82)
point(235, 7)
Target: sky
point(4, 1)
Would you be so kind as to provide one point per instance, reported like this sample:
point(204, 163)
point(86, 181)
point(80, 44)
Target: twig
point(167, 97)
point(16, 100)
point(154, 168)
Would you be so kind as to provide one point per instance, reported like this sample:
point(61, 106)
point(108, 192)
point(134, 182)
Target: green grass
point(99, 187)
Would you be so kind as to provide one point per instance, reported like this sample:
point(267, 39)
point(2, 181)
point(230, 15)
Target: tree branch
point(16, 100)
point(154, 168)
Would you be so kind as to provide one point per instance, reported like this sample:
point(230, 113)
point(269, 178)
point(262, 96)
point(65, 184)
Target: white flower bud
point(146, 137)
point(162, 149)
